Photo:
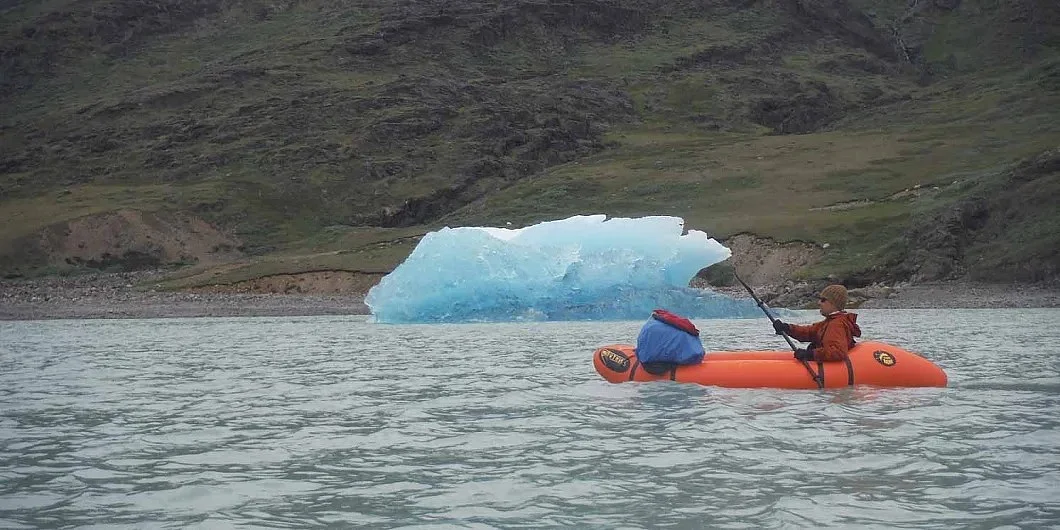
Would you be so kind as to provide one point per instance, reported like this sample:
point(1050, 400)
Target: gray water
point(333, 421)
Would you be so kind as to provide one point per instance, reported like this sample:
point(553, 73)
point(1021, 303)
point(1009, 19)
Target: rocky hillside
point(904, 139)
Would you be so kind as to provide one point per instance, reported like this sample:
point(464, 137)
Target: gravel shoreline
point(115, 295)
point(941, 295)
point(968, 295)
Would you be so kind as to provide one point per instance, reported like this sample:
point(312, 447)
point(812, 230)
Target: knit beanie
point(837, 294)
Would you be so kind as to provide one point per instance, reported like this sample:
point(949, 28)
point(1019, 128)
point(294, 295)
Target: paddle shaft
point(762, 306)
point(772, 319)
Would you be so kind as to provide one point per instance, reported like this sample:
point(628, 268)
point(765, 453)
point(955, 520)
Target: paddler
point(831, 338)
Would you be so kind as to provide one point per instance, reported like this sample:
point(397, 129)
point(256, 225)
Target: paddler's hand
point(804, 354)
point(781, 328)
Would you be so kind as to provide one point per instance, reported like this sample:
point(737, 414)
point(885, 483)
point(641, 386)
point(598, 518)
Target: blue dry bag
point(668, 338)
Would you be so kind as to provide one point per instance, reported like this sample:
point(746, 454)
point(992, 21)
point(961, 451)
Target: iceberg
point(586, 267)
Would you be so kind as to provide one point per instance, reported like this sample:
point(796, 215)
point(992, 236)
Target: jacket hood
point(850, 320)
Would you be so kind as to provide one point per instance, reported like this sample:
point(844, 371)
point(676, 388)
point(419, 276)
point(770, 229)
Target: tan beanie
point(837, 294)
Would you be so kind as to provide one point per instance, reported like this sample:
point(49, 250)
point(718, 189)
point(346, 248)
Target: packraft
point(868, 363)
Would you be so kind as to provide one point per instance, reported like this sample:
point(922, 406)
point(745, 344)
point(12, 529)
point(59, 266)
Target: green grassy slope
point(317, 130)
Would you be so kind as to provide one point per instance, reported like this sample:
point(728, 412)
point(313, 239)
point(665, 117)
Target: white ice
point(585, 267)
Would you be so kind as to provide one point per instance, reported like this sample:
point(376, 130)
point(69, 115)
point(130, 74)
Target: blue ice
point(585, 267)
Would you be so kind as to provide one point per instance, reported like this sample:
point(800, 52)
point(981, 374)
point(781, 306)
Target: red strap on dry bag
point(676, 321)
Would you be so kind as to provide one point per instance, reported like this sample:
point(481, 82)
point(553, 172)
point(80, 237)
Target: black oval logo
point(884, 358)
point(614, 359)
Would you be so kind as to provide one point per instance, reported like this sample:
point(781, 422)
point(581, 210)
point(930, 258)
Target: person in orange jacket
point(831, 338)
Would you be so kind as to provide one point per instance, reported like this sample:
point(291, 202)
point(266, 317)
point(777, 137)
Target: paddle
point(773, 320)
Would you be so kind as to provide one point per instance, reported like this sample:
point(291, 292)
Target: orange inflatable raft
point(870, 363)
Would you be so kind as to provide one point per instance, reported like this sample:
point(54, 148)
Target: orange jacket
point(830, 338)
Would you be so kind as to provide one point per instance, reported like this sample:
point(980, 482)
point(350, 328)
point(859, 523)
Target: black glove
point(804, 354)
point(781, 328)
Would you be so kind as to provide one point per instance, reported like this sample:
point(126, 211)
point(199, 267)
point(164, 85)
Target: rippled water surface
point(301, 422)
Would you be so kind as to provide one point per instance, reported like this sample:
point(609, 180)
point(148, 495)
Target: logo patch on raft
point(615, 360)
point(884, 358)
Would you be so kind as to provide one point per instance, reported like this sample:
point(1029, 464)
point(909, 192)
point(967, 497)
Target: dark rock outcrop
point(1000, 234)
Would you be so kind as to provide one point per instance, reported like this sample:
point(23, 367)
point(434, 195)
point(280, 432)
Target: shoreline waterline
point(121, 295)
